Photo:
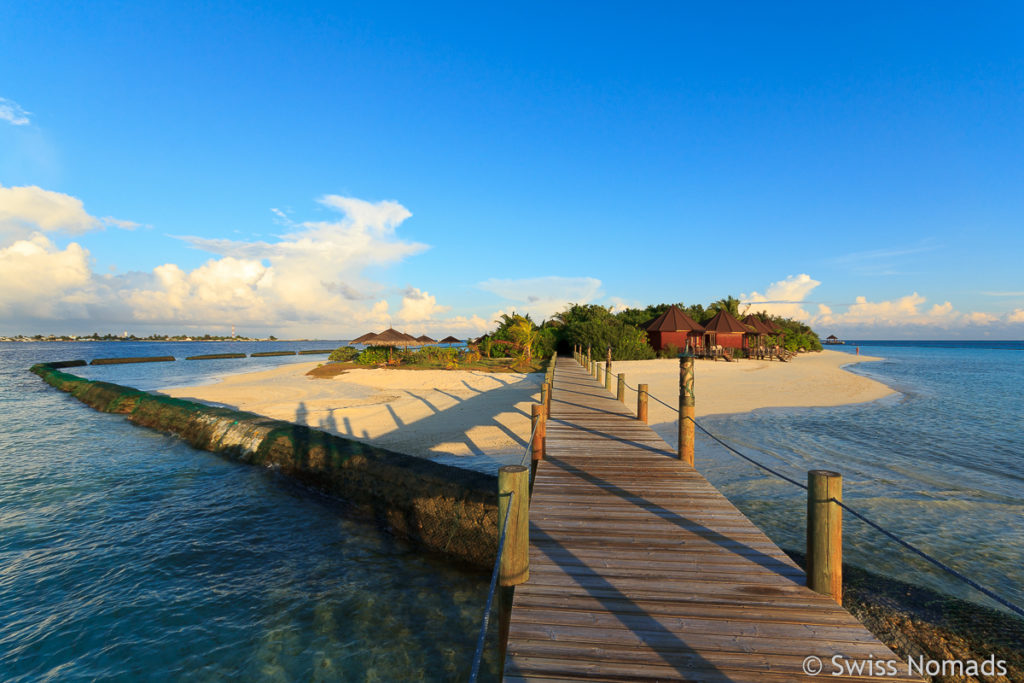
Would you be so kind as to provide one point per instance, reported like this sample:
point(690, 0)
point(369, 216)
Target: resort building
point(676, 328)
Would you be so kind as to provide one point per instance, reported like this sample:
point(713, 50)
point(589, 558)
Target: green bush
point(669, 351)
point(433, 355)
point(344, 354)
point(374, 355)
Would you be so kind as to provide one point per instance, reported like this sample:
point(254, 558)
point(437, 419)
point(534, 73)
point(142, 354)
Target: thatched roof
point(832, 336)
point(451, 340)
point(725, 322)
point(759, 325)
point(364, 339)
point(673, 320)
point(424, 339)
point(392, 337)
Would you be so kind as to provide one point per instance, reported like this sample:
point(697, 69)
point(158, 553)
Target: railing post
point(537, 426)
point(593, 368)
point(547, 400)
point(620, 391)
point(607, 376)
point(515, 558)
point(544, 392)
point(641, 403)
point(825, 533)
point(687, 409)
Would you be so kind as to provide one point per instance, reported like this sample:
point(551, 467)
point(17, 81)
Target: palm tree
point(524, 334)
point(729, 303)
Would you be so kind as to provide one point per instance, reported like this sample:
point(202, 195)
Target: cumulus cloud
point(891, 316)
point(419, 307)
point(784, 298)
point(12, 113)
point(312, 280)
point(41, 280)
point(542, 297)
point(29, 209)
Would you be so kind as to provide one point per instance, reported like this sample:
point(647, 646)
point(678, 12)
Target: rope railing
point(529, 444)
point(478, 654)
point(909, 546)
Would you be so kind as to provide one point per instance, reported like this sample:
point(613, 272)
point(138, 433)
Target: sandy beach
point(481, 420)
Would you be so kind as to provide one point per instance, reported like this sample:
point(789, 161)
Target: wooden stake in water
point(515, 558)
point(825, 533)
point(687, 409)
point(641, 403)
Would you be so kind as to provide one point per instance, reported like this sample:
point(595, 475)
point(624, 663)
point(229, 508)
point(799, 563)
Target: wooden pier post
point(607, 376)
point(588, 355)
point(620, 390)
point(547, 403)
point(545, 394)
point(515, 558)
point(593, 368)
point(825, 533)
point(687, 409)
point(538, 427)
point(641, 403)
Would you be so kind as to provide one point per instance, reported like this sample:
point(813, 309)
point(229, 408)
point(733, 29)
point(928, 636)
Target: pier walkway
point(641, 570)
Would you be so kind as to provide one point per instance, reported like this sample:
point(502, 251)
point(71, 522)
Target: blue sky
point(327, 169)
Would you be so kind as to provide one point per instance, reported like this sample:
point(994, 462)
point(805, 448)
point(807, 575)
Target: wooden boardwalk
point(641, 570)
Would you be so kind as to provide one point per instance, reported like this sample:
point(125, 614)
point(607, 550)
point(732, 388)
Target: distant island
point(96, 336)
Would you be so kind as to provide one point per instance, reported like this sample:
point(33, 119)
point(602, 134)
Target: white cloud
point(118, 223)
point(29, 209)
point(41, 280)
point(542, 297)
point(1017, 316)
point(419, 307)
point(11, 112)
point(312, 280)
point(783, 298)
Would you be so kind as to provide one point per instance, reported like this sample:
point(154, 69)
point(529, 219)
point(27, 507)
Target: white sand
point(477, 417)
point(482, 420)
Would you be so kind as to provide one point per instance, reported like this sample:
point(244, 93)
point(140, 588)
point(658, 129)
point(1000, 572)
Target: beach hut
point(760, 334)
point(392, 337)
point(451, 340)
point(676, 328)
point(424, 339)
point(726, 331)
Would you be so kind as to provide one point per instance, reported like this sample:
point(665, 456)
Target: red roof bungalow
point(676, 328)
point(726, 331)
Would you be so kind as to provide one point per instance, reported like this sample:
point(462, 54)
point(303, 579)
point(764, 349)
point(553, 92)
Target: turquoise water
point(127, 555)
point(941, 464)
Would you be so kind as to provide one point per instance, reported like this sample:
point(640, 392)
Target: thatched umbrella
point(424, 339)
point(364, 339)
point(451, 340)
point(392, 337)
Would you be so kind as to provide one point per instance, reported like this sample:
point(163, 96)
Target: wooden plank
point(642, 570)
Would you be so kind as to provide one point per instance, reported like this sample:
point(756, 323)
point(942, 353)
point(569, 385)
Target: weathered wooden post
point(588, 355)
point(514, 492)
point(620, 391)
point(825, 533)
point(687, 409)
point(544, 395)
point(537, 426)
point(641, 403)
point(607, 376)
point(593, 368)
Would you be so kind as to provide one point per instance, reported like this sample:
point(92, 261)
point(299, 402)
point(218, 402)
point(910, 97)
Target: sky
point(320, 170)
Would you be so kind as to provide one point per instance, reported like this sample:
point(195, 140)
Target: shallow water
point(127, 555)
point(941, 464)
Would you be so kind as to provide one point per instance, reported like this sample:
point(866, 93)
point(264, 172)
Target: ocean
point(940, 464)
point(127, 555)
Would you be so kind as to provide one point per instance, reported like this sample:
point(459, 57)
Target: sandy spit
point(482, 420)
